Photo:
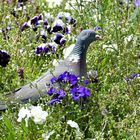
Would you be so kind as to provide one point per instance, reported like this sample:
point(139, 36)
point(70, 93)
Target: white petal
point(73, 124)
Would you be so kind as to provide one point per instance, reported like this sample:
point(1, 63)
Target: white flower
point(23, 113)
point(110, 47)
point(58, 22)
point(35, 112)
point(73, 124)
point(47, 136)
point(48, 15)
point(38, 114)
point(54, 3)
point(128, 39)
point(55, 62)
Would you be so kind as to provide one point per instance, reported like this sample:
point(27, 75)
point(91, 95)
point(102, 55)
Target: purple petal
point(53, 80)
point(54, 101)
point(58, 37)
point(62, 41)
point(137, 3)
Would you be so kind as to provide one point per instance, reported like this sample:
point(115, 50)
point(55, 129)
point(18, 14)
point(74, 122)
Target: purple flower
point(3, 30)
point(34, 20)
point(63, 77)
point(48, 28)
point(51, 91)
point(137, 3)
point(38, 50)
point(20, 4)
point(52, 47)
point(58, 25)
point(58, 37)
point(84, 92)
point(97, 28)
point(53, 80)
point(127, 79)
point(42, 48)
point(73, 21)
point(79, 92)
point(68, 18)
point(85, 82)
point(72, 79)
point(4, 58)
point(57, 95)
point(8, 28)
point(134, 75)
point(46, 23)
point(62, 41)
point(61, 94)
point(68, 29)
point(25, 26)
point(74, 89)
point(54, 101)
point(40, 17)
point(43, 35)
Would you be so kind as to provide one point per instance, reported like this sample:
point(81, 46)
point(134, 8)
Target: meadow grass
point(113, 109)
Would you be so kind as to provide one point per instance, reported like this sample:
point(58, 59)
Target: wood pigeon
point(75, 63)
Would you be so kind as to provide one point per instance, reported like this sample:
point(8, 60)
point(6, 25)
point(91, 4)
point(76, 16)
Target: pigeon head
point(83, 41)
point(86, 37)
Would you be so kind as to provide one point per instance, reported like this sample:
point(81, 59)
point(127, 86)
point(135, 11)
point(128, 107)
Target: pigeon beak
point(98, 37)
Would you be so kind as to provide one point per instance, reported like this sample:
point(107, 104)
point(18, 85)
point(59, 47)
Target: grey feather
point(74, 63)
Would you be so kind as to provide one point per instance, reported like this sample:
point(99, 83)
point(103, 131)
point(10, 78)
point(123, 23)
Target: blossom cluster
point(71, 81)
point(34, 112)
point(4, 58)
point(132, 77)
point(51, 30)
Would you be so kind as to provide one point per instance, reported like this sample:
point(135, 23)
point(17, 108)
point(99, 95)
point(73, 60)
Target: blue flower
point(63, 77)
point(97, 28)
point(85, 82)
point(51, 91)
point(53, 80)
point(73, 80)
point(79, 92)
point(61, 94)
point(134, 75)
point(54, 101)
point(57, 95)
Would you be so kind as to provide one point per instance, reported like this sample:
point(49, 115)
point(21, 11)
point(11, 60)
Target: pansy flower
point(42, 48)
point(58, 37)
point(4, 58)
point(58, 25)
